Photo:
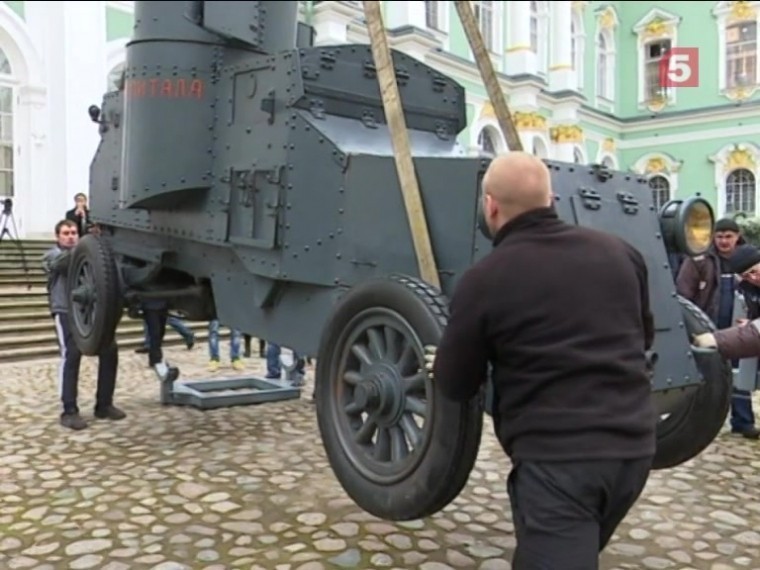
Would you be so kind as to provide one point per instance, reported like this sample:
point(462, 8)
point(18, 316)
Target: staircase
point(26, 328)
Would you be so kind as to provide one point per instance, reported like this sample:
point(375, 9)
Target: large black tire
point(94, 298)
point(695, 423)
point(371, 357)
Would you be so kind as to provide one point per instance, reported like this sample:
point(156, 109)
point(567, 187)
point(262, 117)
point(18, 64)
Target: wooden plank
point(394, 115)
point(488, 74)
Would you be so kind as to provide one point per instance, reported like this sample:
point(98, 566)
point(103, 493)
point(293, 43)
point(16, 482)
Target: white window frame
point(725, 16)
point(578, 48)
point(646, 30)
point(724, 165)
point(539, 16)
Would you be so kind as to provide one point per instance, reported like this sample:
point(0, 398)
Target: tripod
point(6, 217)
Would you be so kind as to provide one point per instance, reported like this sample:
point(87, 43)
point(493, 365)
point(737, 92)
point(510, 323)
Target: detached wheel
point(399, 449)
point(94, 297)
point(696, 422)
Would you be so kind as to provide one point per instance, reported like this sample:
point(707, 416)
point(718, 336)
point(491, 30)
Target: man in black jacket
point(80, 214)
point(561, 313)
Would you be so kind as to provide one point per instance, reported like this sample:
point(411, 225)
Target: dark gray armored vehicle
point(245, 175)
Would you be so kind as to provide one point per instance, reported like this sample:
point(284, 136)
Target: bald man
point(561, 314)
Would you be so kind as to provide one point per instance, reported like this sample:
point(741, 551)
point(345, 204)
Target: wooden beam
point(488, 74)
point(394, 115)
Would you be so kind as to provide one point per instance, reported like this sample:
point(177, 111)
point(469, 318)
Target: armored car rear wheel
point(399, 449)
point(94, 299)
point(695, 422)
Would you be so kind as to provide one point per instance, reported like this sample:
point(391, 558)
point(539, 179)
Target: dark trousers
point(565, 512)
point(742, 414)
point(155, 323)
point(68, 375)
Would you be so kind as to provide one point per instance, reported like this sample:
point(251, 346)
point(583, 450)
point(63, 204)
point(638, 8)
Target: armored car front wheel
point(399, 449)
point(696, 421)
point(95, 304)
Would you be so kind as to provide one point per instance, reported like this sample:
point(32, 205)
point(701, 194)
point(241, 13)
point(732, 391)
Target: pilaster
point(519, 59)
point(561, 75)
point(565, 138)
point(403, 14)
point(407, 26)
point(331, 19)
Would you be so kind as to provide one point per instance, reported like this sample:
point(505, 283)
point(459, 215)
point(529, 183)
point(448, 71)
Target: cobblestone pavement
point(172, 488)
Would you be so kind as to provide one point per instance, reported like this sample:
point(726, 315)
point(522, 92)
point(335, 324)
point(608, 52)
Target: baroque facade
point(584, 80)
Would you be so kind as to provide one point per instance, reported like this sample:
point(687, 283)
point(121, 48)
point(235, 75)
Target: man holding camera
point(80, 214)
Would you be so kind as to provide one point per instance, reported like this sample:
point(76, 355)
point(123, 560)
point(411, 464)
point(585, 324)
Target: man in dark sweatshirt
point(562, 315)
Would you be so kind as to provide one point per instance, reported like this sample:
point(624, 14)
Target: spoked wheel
point(695, 422)
point(94, 299)
point(399, 449)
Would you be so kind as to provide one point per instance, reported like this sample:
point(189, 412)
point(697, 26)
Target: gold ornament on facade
point(657, 28)
point(487, 110)
point(566, 133)
point(742, 10)
point(655, 165)
point(529, 121)
point(607, 19)
point(657, 103)
point(579, 5)
point(740, 158)
point(739, 93)
point(608, 145)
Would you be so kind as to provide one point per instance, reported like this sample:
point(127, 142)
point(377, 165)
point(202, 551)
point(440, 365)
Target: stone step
point(16, 315)
point(20, 331)
point(48, 350)
point(23, 280)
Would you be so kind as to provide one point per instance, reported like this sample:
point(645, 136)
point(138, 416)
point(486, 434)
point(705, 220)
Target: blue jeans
point(177, 325)
point(742, 415)
point(213, 341)
point(274, 369)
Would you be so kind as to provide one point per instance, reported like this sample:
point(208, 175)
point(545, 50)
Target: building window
point(484, 14)
point(116, 77)
point(653, 54)
point(487, 142)
point(433, 16)
point(741, 187)
point(577, 156)
point(576, 48)
point(607, 162)
point(6, 128)
point(604, 75)
point(741, 54)
point(539, 148)
point(660, 190)
point(538, 36)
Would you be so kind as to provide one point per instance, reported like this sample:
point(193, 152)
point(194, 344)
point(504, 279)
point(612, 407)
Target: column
point(409, 22)
point(520, 58)
point(330, 21)
point(402, 14)
point(71, 39)
point(561, 73)
point(565, 138)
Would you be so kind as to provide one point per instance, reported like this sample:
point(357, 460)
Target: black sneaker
point(141, 350)
point(73, 421)
point(110, 413)
point(190, 342)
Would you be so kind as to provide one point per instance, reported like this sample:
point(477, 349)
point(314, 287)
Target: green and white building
point(583, 80)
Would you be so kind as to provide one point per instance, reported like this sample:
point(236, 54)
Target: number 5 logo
point(679, 67)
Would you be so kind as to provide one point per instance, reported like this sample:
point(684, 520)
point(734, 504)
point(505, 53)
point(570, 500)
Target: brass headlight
point(687, 226)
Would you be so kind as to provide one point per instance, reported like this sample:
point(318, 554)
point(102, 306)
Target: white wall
point(60, 62)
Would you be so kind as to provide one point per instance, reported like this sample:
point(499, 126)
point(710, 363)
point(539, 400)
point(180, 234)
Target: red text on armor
point(165, 88)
